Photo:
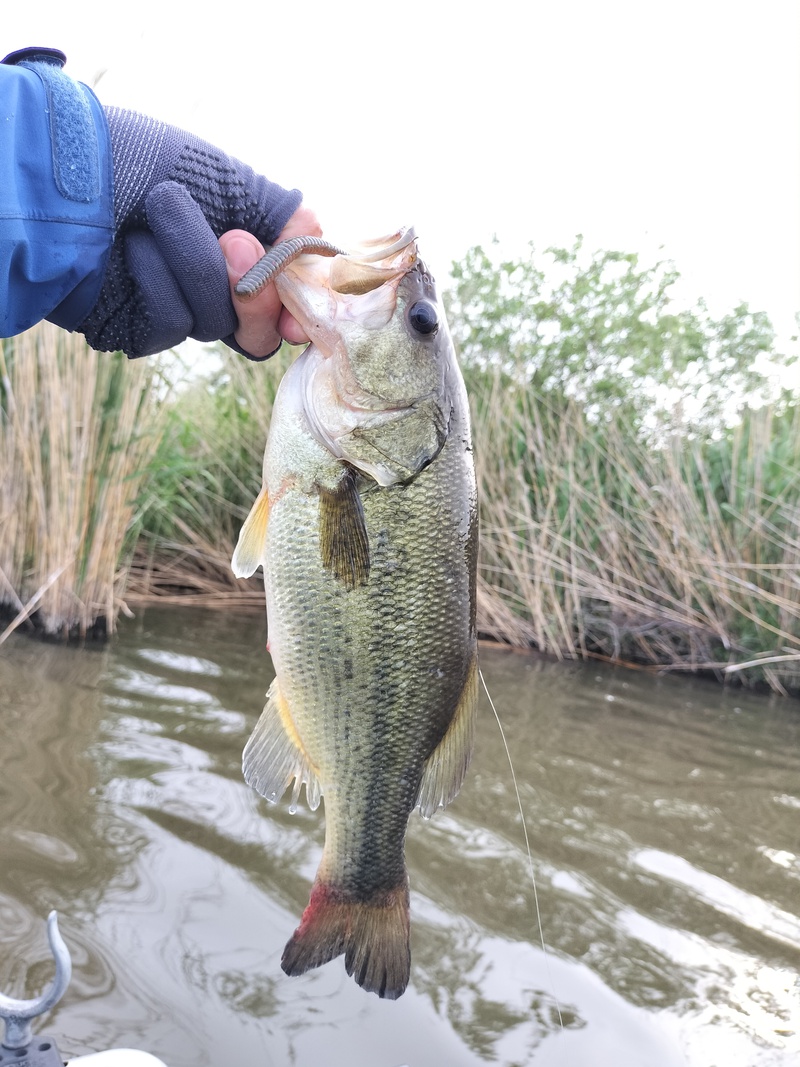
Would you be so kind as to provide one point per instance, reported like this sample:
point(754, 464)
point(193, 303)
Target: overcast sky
point(639, 124)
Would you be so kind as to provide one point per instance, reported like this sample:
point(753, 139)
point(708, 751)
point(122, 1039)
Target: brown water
point(664, 819)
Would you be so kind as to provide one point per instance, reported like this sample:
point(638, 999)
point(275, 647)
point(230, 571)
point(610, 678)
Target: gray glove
point(174, 195)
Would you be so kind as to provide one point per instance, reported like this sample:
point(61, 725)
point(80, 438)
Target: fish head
point(378, 388)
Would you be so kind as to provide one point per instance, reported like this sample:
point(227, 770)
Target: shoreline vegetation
point(78, 431)
point(638, 466)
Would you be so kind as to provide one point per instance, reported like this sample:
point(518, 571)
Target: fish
point(366, 528)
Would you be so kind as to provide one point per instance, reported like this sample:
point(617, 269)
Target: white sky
point(638, 124)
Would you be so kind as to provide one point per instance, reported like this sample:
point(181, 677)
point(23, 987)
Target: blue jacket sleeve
point(56, 194)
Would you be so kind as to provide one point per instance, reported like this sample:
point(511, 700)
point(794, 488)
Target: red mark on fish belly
point(286, 484)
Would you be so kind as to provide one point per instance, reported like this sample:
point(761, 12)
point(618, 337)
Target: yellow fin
point(249, 551)
point(447, 765)
point(275, 755)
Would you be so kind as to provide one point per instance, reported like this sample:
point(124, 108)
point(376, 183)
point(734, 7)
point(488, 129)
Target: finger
point(169, 319)
point(241, 251)
point(191, 252)
point(258, 317)
point(304, 223)
point(291, 330)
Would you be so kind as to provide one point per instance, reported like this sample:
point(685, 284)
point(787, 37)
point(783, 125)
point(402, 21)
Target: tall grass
point(74, 450)
point(207, 474)
point(685, 555)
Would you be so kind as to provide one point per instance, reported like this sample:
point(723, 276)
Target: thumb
point(258, 316)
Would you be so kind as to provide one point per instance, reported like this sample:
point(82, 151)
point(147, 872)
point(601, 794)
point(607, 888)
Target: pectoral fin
point(275, 755)
point(447, 765)
point(249, 551)
point(343, 539)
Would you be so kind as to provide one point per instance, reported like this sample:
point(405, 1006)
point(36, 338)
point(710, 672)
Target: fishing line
point(528, 850)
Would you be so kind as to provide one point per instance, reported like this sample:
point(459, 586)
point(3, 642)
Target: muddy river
point(664, 822)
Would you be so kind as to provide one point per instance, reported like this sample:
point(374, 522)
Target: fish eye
point(423, 317)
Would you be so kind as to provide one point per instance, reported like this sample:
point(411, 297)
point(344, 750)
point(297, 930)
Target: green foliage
point(639, 466)
point(207, 470)
point(606, 527)
point(607, 332)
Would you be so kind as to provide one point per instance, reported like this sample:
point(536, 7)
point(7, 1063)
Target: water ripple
point(178, 661)
point(663, 826)
point(747, 909)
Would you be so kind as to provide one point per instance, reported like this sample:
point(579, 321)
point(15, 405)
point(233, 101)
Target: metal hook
point(17, 1014)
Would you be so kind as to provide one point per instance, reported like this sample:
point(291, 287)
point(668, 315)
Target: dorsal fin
point(447, 765)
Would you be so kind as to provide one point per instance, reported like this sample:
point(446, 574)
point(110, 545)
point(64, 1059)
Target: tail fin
point(373, 934)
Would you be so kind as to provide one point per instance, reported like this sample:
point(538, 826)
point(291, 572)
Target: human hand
point(263, 320)
point(167, 279)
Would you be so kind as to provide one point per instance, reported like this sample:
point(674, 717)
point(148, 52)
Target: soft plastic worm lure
point(278, 257)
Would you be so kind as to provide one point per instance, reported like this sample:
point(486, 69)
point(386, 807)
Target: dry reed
point(186, 558)
point(592, 544)
point(599, 545)
point(208, 475)
point(74, 449)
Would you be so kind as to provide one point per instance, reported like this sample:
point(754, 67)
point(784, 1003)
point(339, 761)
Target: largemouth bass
point(366, 528)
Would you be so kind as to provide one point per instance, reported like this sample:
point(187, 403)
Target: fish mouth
point(368, 253)
point(359, 285)
point(374, 263)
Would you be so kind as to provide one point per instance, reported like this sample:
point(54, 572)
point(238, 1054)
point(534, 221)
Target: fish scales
point(375, 689)
point(368, 667)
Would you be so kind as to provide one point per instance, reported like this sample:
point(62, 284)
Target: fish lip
point(359, 274)
point(398, 241)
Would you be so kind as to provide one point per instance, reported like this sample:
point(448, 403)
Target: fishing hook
point(17, 1014)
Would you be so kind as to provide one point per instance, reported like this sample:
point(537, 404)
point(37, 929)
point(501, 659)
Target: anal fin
point(446, 767)
point(275, 755)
